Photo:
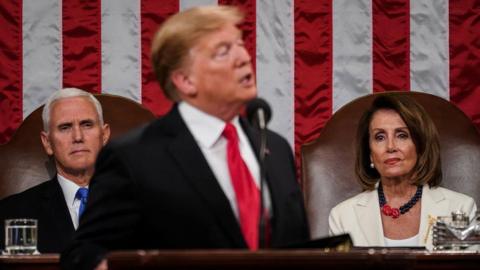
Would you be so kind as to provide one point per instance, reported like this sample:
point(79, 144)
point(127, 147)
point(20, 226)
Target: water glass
point(20, 236)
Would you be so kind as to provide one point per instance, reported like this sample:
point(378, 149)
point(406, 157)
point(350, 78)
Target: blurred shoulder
point(32, 192)
point(451, 195)
point(359, 199)
point(26, 201)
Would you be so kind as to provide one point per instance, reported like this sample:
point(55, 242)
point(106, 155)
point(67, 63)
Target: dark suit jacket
point(153, 189)
point(46, 203)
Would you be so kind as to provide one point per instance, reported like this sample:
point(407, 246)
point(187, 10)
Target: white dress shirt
point(407, 242)
point(69, 189)
point(207, 132)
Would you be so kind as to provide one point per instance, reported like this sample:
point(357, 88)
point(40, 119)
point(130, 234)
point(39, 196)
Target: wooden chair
point(23, 161)
point(328, 162)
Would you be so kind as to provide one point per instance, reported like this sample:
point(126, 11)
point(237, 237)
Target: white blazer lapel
point(367, 211)
point(434, 204)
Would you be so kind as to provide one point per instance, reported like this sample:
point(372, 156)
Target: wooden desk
point(272, 259)
point(40, 262)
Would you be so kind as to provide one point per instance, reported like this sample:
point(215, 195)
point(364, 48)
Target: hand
point(103, 265)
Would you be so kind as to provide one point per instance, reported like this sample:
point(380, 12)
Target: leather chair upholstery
point(328, 163)
point(23, 161)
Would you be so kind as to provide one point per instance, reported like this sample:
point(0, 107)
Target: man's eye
point(222, 51)
point(87, 124)
point(63, 128)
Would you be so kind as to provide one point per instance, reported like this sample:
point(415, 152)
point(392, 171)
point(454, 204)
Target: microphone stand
point(262, 154)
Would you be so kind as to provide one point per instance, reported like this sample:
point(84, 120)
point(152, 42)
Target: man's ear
point(183, 82)
point(105, 134)
point(46, 143)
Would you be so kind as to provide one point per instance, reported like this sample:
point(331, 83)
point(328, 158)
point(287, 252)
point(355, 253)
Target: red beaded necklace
point(396, 212)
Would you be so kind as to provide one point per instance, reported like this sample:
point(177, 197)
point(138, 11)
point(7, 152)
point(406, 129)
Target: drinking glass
point(20, 236)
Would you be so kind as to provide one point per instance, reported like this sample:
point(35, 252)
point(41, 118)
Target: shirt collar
point(205, 128)
point(69, 189)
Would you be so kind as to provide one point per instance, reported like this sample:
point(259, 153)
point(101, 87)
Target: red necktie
point(246, 192)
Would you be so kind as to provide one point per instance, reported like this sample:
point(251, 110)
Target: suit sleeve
point(111, 215)
point(470, 208)
point(334, 223)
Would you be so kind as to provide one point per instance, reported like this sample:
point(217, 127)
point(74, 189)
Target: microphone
point(259, 114)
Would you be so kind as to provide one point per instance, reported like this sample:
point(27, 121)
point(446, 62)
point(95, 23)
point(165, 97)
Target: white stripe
point(352, 51)
point(275, 65)
point(186, 4)
point(121, 59)
point(42, 54)
point(429, 67)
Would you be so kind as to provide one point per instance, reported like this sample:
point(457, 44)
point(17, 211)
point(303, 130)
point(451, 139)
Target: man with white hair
point(73, 133)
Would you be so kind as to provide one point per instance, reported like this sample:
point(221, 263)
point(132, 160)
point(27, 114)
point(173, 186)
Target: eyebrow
point(221, 44)
point(89, 120)
point(64, 124)
point(69, 123)
point(396, 129)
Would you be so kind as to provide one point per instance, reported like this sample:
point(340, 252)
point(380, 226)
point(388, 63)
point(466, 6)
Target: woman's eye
point(379, 137)
point(403, 136)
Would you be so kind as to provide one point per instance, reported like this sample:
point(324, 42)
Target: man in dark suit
point(175, 183)
point(73, 134)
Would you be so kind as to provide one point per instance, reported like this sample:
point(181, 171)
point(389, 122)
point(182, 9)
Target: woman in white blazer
point(398, 166)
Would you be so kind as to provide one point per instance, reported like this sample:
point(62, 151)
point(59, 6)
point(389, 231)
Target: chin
point(396, 175)
point(252, 94)
point(81, 165)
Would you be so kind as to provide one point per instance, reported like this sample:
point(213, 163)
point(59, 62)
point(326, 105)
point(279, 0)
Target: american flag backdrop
point(311, 56)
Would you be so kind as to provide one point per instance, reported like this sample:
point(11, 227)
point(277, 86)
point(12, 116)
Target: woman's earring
point(372, 165)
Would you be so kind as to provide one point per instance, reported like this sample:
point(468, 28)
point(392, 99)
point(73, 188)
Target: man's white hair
point(68, 93)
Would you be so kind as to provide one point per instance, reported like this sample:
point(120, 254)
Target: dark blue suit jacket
point(153, 189)
point(46, 203)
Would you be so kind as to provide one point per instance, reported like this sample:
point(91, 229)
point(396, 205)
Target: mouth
point(391, 161)
point(247, 80)
point(80, 151)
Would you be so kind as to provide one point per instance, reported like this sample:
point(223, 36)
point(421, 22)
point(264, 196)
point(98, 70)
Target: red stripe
point(391, 45)
point(249, 25)
point(313, 69)
point(153, 13)
point(82, 56)
point(11, 76)
point(464, 17)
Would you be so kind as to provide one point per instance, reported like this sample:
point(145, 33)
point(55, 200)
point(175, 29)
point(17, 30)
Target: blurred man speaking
point(73, 133)
point(191, 178)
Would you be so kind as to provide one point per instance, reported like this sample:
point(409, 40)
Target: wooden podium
point(269, 259)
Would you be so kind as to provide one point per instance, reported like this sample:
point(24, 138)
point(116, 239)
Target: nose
point(77, 134)
point(243, 57)
point(391, 146)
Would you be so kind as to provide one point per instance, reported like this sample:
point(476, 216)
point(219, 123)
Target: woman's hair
point(172, 43)
point(423, 132)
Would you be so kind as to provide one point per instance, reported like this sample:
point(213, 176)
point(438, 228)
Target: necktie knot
point(82, 194)
point(230, 133)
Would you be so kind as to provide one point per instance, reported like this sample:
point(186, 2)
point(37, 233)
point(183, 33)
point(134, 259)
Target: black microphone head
point(253, 107)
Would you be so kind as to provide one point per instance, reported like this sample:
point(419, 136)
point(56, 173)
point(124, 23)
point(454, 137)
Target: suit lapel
point(367, 211)
point(57, 215)
point(434, 204)
point(55, 205)
point(187, 153)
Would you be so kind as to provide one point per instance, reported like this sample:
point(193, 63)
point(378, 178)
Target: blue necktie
point(82, 195)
